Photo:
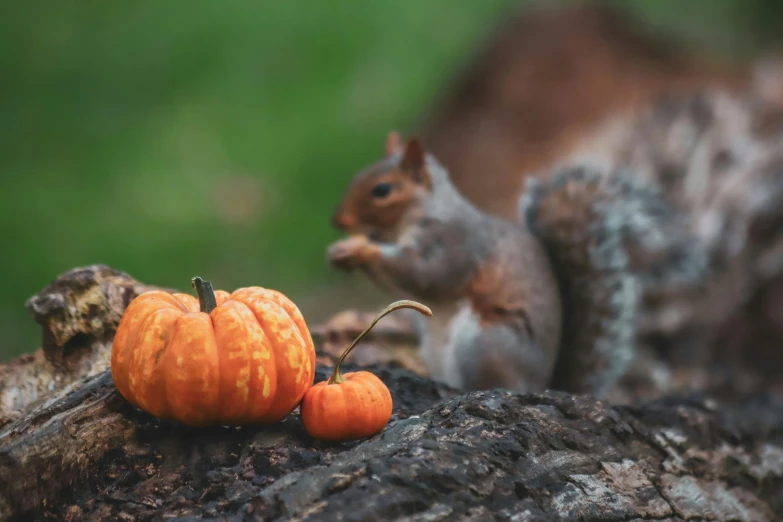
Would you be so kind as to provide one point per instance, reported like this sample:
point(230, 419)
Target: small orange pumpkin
point(222, 359)
point(354, 405)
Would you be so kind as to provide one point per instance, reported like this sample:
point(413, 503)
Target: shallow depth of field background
point(183, 138)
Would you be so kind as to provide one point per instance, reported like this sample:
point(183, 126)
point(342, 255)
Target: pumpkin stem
point(206, 296)
point(337, 377)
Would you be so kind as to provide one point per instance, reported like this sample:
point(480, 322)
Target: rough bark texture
point(60, 410)
point(482, 456)
point(92, 449)
point(78, 313)
point(83, 453)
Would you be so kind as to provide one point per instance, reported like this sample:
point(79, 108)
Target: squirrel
point(549, 302)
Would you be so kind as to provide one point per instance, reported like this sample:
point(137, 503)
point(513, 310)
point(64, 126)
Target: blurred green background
point(181, 138)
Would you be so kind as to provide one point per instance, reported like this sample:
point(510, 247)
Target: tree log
point(76, 450)
point(490, 455)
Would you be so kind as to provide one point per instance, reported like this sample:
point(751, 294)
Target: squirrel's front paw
point(348, 254)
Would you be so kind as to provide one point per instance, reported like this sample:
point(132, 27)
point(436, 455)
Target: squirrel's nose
point(340, 221)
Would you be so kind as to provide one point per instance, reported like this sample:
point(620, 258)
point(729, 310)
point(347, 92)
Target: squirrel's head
point(380, 197)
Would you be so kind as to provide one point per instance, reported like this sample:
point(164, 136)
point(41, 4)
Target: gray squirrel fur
point(549, 302)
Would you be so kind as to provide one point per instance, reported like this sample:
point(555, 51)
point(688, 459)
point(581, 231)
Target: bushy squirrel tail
point(610, 235)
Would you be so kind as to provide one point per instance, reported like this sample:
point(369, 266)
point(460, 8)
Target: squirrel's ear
point(414, 162)
point(393, 143)
point(413, 156)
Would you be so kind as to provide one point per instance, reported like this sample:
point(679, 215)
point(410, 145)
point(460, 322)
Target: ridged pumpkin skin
point(356, 408)
point(249, 361)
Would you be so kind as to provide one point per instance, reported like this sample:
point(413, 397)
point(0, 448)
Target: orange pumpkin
point(222, 359)
point(354, 405)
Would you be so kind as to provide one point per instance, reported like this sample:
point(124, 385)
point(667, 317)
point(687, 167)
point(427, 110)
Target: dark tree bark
point(482, 456)
point(81, 452)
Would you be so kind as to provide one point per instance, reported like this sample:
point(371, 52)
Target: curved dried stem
point(337, 376)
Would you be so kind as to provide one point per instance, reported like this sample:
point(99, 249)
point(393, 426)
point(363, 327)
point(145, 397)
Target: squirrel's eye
point(381, 190)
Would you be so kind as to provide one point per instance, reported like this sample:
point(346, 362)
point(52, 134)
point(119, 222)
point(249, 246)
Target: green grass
point(132, 132)
point(123, 122)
